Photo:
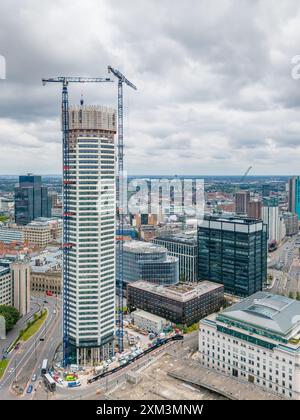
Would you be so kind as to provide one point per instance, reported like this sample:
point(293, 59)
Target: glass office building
point(233, 251)
point(184, 247)
point(31, 200)
point(149, 262)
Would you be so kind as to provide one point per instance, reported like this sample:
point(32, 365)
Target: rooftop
point(268, 311)
point(180, 292)
point(185, 238)
point(143, 247)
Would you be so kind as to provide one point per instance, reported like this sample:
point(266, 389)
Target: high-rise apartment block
point(294, 195)
point(89, 255)
point(291, 223)
point(242, 199)
point(255, 209)
point(233, 251)
point(31, 200)
point(20, 271)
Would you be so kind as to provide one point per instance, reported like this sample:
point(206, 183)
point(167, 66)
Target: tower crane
point(246, 173)
point(67, 181)
point(120, 196)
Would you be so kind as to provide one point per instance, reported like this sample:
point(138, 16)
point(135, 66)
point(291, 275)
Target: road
point(285, 268)
point(28, 359)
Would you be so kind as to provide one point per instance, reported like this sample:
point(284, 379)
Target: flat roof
point(185, 238)
point(147, 315)
point(144, 247)
point(181, 292)
point(267, 311)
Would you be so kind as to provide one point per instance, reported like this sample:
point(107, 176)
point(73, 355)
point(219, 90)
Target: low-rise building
point(181, 304)
point(46, 271)
point(149, 322)
point(256, 340)
point(9, 235)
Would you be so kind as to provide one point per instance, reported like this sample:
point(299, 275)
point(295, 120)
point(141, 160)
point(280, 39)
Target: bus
point(49, 382)
point(44, 367)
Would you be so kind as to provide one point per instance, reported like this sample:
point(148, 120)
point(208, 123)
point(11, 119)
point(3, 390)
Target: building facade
point(242, 200)
point(294, 195)
point(89, 255)
point(184, 247)
point(149, 322)
point(271, 217)
point(181, 304)
point(291, 223)
point(233, 251)
point(20, 271)
point(149, 262)
point(255, 209)
point(31, 200)
point(5, 286)
point(256, 341)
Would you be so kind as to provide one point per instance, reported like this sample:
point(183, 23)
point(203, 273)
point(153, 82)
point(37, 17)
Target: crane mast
point(120, 197)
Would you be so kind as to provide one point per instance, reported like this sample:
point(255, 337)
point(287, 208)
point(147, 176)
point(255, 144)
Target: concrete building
point(149, 262)
point(37, 233)
point(294, 195)
point(31, 200)
point(181, 304)
point(20, 271)
point(242, 200)
point(5, 285)
point(233, 251)
point(256, 341)
point(255, 209)
point(184, 247)
point(149, 322)
point(271, 217)
point(291, 223)
point(2, 328)
point(89, 223)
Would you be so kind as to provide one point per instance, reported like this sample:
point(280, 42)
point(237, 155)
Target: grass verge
point(3, 366)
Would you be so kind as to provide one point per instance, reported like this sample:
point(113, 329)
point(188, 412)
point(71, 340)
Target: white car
point(34, 378)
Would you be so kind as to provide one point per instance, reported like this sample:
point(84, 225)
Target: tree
point(291, 295)
point(298, 296)
point(10, 314)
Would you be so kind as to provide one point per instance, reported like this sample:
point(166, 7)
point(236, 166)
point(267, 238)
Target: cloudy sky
point(215, 91)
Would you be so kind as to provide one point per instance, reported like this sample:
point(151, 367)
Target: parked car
point(29, 389)
point(34, 378)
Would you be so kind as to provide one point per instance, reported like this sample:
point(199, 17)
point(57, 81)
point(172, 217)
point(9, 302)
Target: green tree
point(298, 296)
point(291, 295)
point(10, 314)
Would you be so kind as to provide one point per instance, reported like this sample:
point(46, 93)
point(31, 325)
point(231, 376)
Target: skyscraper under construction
point(89, 237)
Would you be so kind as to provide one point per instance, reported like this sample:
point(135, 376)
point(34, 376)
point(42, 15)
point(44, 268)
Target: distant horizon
point(162, 175)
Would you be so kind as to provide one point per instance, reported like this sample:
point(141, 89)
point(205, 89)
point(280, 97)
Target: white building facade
point(257, 341)
point(92, 212)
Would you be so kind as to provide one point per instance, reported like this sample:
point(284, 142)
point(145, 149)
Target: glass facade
point(233, 252)
point(145, 261)
point(31, 200)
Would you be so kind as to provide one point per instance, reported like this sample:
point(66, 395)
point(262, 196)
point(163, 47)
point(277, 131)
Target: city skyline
point(222, 83)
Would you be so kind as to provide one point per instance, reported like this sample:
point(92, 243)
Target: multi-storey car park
point(256, 340)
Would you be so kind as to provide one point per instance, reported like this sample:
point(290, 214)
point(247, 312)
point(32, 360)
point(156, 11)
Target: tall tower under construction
point(89, 236)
